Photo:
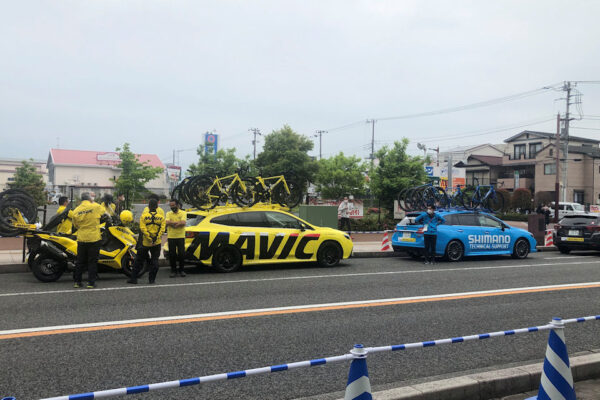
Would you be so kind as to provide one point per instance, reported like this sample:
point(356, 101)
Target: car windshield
point(579, 220)
point(408, 220)
point(195, 220)
point(578, 207)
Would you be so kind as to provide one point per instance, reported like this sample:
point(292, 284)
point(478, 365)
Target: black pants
point(146, 255)
point(176, 253)
point(430, 241)
point(87, 257)
point(345, 221)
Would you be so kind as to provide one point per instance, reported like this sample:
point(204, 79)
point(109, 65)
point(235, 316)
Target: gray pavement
point(74, 362)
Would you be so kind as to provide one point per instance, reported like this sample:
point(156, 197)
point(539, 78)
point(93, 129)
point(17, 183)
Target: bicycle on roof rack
point(490, 199)
point(287, 193)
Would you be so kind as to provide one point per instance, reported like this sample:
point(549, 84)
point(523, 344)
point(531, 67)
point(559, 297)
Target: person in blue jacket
point(430, 221)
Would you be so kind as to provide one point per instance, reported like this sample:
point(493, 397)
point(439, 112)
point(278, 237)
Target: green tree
point(221, 164)
point(28, 179)
point(134, 174)
point(396, 170)
point(340, 175)
point(522, 199)
point(286, 151)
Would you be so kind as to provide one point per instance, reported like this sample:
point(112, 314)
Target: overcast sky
point(96, 73)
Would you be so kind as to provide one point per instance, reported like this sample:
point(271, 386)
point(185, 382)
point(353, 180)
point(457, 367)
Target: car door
point(497, 241)
point(298, 242)
point(468, 231)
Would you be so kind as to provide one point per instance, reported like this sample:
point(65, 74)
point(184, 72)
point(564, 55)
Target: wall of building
point(98, 176)
point(8, 168)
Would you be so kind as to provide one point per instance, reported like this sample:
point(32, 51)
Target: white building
point(8, 167)
point(94, 171)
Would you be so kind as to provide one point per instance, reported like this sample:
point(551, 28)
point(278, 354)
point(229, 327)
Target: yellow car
point(231, 237)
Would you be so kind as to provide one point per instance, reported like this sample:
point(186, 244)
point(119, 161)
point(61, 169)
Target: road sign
point(211, 141)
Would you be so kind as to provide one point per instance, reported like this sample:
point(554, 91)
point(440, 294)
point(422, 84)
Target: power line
point(483, 132)
point(586, 128)
point(486, 103)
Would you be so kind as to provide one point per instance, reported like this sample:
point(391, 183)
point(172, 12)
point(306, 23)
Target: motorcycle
point(52, 253)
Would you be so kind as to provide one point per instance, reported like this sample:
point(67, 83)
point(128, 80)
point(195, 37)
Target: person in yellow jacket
point(66, 226)
point(86, 218)
point(109, 205)
point(176, 220)
point(158, 210)
point(152, 227)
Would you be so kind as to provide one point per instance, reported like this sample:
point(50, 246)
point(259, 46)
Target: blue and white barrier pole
point(557, 379)
point(358, 386)
point(311, 363)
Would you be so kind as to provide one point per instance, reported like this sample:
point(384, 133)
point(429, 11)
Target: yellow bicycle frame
point(234, 178)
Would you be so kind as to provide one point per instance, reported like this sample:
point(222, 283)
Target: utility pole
point(372, 122)
point(450, 186)
point(320, 134)
point(557, 183)
point(565, 137)
point(255, 131)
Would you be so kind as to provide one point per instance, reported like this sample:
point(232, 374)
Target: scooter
point(51, 253)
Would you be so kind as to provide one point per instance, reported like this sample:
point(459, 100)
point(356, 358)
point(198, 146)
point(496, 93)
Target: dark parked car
point(577, 232)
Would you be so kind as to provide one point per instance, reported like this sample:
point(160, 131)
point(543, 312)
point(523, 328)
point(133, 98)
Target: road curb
point(492, 384)
point(376, 254)
point(17, 268)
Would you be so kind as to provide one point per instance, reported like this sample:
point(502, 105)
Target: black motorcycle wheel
point(127, 266)
point(46, 268)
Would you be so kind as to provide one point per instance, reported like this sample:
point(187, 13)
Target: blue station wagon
point(465, 233)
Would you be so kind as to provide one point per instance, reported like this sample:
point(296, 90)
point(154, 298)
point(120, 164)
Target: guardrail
point(357, 354)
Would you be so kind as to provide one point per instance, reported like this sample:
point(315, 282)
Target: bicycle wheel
point(197, 193)
point(476, 200)
point(241, 197)
point(291, 199)
point(402, 200)
point(494, 202)
point(441, 198)
point(457, 200)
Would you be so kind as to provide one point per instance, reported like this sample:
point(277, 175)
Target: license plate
point(574, 239)
point(408, 239)
point(574, 233)
point(406, 235)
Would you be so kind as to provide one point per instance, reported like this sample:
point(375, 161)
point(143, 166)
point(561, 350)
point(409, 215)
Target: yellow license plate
point(572, 239)
point(408, 239)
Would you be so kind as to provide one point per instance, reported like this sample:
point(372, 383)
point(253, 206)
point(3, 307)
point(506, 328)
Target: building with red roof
point(85, 170)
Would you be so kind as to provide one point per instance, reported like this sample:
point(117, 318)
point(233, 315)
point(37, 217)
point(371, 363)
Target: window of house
point(578, 196)
point(534, 148)
point(550, 169)
point(551, 152)
point(520, 150)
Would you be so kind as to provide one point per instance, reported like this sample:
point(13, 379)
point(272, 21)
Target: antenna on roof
point(58, 142)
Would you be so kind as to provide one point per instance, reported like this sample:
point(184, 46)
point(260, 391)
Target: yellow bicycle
point(277, 189)
point(224, 189)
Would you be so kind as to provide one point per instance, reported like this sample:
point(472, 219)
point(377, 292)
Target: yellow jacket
point(86, 218)
point(158, 210)
point(152, 225)
point(67, 225)
point(176, 233)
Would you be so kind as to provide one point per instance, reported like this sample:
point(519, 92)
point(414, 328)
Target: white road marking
point(290, 278)
point(567, 257)
point(298, 307)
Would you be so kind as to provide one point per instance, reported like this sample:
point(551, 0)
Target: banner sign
point(429, 170)
point(210, 143)
point(355, 206)
point(174, 173)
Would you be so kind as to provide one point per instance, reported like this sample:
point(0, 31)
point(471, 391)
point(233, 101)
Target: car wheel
point(521, 249)
point(329, 254)
point(455, 251)
point(564, 250)
point(227, 259)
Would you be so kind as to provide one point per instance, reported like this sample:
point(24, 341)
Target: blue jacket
point(432, 222)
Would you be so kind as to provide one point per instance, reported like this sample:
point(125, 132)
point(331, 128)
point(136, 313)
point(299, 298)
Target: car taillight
point(593, 228)
point(191, 234)
point(420, 231)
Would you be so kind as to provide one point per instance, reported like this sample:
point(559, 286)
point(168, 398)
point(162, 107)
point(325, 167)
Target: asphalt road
point(58, 364)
